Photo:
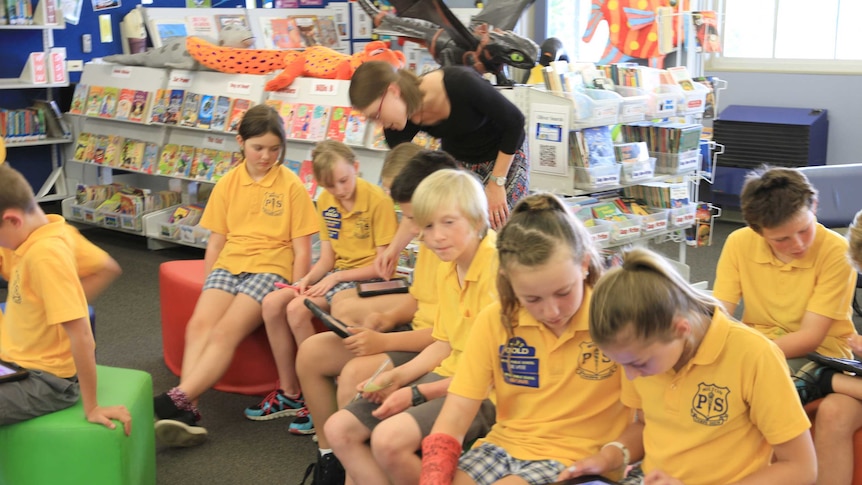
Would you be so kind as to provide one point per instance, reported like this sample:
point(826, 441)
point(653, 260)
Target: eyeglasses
point(380, 106)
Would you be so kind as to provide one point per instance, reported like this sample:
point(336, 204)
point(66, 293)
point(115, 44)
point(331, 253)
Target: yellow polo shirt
point(561, 399)
point(424, 287)
point(355, 235)
point(44, 292)
point(458, 306)
point(260, 220)
point(715, 420)
point(776, 295)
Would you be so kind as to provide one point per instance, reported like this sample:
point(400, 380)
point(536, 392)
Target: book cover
point(631, 152)
point(167, 28)
point(286, 34)
point(168, 159)
point(81, 144)
point(90, 149)
point(706, 35)
point(184, 161)
point(224, 20)
point(319, 122)
point(138, 112)
point(191, 108)
point(274, 104)
point(356, 127)
point(308, 29)
point(132, 156)
point(205, 163)
point(376, 137)
point(220, 166)
point(99, 152)
point(301, 121)
point(95, 95)
point(608, 211)
point(55, 123)
point(599, 144)
point(328, 33)
point(220, 113)
point(175, 106)
point(79, 99)
point(112, 151)
point(160, 106)
point(240, 106)
point(201, 26)
point(294, 165)
point(205, 114)
point(151, 158)
point(306, 175)
point(337, 123)
point(195, 163)
point(108, 107)
point(124, 105)
point(286, 113)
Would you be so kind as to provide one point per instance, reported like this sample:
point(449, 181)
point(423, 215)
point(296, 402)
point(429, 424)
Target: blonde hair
point(645, 294)
point(324, 157)
point(854, 237)
point(371, 79)
point(397, 159)
point(15, 191)
point(540, 226)
point(446, 188)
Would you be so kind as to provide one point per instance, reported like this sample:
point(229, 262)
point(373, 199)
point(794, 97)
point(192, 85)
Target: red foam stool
point(811, 409)
point(252, 370)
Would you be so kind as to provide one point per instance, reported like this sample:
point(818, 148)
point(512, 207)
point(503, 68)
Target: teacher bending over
point(475, 123)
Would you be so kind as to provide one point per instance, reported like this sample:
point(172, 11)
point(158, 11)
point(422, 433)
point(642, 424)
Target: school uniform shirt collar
point(54, 228)
point(714, 340)
point(486, 245)
point(763, 253)
point(266, 181)
point(363, 199)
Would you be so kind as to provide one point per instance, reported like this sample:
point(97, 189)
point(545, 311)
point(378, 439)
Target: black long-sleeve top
point(481, 122)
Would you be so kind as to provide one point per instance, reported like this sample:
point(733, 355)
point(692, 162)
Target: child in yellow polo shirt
point(261, 221)
point(714, 400)
point(399, 406)
point(357, 221)
point(45, 327)
point(557, 395)
point(324, 356)
point(791, 272)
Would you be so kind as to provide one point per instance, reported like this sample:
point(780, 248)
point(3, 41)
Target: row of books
point(25, 124)
point(664, 137)
point(125, 199)
point(196, 163)
point(669, 195)
point(110, 102)
point(194, 110)
point(20, 12)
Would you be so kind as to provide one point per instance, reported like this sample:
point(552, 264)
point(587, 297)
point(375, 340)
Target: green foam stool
point(64, 448)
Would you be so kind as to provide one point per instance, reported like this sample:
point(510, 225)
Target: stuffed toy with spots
point(316, 61)
point(174, 53)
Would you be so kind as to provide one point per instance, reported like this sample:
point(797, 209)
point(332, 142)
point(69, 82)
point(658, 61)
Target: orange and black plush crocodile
point(317, 61)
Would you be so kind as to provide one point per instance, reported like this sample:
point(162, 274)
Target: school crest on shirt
point(273, 204)
point(333, 222)
point(519, 363)
point(362, 229)
point(593, 365)
point(710, 405)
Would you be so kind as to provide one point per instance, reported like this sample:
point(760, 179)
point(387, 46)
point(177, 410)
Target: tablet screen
point(5, 371)
point(383, 285)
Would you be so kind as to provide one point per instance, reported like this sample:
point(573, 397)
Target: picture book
point(99, 152)
point(706, 31)
point(274, 104)
point(220, 165)
point(84, 140)
point(224, 20)
point(308, 29)
point(90, 149)
point(151, 158)
point(709, 103)
point(175, 106)
point(112, 151)
point(599, 144)
point(608, 211)
point(108, 107)
point(240, 106)
point(306, 175)
point(185, 157)
point(168, 159)
point(631, 152)
point(124, 105)
point(286, 34)
point(301, 121)
point(160, 106)
point(286, 113)
point(328, 34)
point(132, 154)
point(201, 25)
point(167, 28)
point(356, 128)
point(376, 137)
point(293, 165)
point(205, 114)
point(681, 76)
point(95, 95)
point(220, 113)
point(138, 112)
point(319, 122)
point(337, 123)
point(205, 161)
point(79, 99)
point(191, 108)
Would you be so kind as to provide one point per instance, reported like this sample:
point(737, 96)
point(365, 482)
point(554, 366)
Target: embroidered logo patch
point(593, 364)
point(710, 405)
point(273, 204)
point(362, 229)
point(519, 363)
point(333, 222)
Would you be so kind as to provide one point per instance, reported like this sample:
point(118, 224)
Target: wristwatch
point(623, 449)
point(418, 397)
point(501, 181)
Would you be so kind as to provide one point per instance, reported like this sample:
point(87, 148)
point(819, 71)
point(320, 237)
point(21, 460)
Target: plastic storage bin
point(693, 101)
point(635, 104)
point(637, 171)
point(676, 163)
point(683, 216)
point(592, 178)
point(600, 233)
point(655, 221)
point(595, 107)
point(664, 101)
point(622, 230)
point(85, 212)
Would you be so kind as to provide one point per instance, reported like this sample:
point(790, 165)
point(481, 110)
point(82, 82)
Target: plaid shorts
point(255, 285)
point(488, 463)
point(344, 285)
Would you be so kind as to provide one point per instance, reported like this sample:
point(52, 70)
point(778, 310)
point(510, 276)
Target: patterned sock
point(181, 401)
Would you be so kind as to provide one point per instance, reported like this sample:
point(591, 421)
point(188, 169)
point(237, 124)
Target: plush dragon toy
point(316, 61)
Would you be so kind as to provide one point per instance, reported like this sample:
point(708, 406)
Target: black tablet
point(586, 480)
point(374, 288)
point(8, 374)
point(844, 365)
point(331, 322)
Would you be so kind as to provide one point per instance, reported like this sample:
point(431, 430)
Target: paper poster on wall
point(106, 31)
point(549, 136)
point(104, 4)
point(71, 10)
point(311, 3)
point(361, 24)
point(341, 16)
point(286, 4)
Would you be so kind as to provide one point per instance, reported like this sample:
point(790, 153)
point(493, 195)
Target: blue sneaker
point(302, 425)
point(275, 405)
point(807, 381)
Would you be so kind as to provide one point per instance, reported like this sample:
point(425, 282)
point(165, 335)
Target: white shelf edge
point(45, 141)
point(15, 83)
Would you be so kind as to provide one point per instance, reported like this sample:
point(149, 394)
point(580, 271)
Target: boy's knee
point(838, 414)
point(389, 440)
point(341, 429)
point(313, 350)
